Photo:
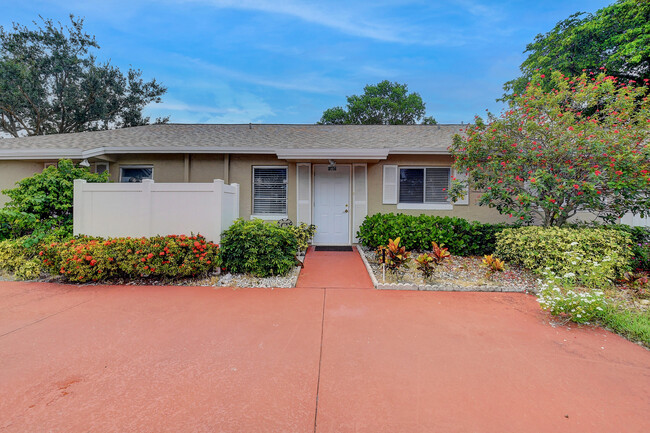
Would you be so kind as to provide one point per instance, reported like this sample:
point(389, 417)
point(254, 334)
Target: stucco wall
point(472, 212)
point(241, 172)
point(13, 171)
point(167, 168)
point(206, 168)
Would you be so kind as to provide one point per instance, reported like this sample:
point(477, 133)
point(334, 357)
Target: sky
point(286, 61)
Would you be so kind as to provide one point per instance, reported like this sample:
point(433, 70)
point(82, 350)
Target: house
point(328, 175)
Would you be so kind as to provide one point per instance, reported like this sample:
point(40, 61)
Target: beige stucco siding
point(166, 168)
point(14, 171)
point(206, 167)
point(472, 212)
point(241, 172)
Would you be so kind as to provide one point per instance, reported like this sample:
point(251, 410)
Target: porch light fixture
point(84, 163)
point(332, 166)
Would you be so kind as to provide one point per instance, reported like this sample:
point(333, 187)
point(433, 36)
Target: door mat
point(333, 248)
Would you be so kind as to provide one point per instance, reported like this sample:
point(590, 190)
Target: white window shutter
point(390, 184)
point(359, 197)
point(462, 176)
point(303, 171)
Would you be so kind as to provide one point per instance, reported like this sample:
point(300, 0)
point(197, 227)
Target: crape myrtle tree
point(580, 146)
point(51, 83)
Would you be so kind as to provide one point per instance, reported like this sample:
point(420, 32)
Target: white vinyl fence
point(635, 220)
point(149, 208)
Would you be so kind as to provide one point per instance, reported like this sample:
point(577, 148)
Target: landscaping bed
point(455, 274)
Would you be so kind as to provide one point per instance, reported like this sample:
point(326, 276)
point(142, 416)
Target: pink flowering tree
point(582, 146)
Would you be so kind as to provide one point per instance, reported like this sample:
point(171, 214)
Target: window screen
point(270, 190)
point(135, 174)
point(423, 185)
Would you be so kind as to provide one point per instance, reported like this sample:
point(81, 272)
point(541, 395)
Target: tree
point(617, 37)
point(50, 83)
point(581, 146)
point(383, 104)
point(48, 195)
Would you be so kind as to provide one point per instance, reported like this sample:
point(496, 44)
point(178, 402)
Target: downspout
point(186, 168)
point(226, 168)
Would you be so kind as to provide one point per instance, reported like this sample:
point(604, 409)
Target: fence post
point(77, 207)
point(217, 188)
point(145, 206)
point(236, 185)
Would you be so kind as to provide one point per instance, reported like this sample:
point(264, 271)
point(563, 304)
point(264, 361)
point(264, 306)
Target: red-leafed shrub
point(169, 257)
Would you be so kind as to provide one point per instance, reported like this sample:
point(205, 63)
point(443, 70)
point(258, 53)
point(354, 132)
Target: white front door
point(332, 205)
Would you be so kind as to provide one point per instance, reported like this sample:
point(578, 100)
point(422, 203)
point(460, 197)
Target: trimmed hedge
point(93, 259)
point(258, 248)
point(581, 253)
point(461, 237)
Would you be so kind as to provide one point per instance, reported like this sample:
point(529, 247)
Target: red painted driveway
point(193, 359)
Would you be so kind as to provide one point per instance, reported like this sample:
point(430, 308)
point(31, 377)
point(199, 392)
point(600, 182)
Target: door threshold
point(347, 248)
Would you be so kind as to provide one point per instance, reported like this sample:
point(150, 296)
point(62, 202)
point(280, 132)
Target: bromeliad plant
point(395, 256)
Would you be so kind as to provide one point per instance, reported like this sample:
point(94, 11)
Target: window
point(270, 191)
point(424, 185)
point(101, 167)
point(135, 173)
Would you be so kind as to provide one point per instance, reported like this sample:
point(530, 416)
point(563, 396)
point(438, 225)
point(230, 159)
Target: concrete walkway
point(200, 359)
point(334, 269)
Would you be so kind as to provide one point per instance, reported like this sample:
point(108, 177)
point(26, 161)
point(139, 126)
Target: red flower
point(150, 255)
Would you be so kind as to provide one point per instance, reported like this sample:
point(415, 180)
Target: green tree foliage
point(50, 83)
point(48, 195)
point(581, 146)
point(617, 38)
point(383, 104)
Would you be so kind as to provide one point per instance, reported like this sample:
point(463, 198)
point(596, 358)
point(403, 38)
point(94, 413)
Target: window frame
point(269, 216)
point(446, 205)
point(107, 165)
point(122, 167)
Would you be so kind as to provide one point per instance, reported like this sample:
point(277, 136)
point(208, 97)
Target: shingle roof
point(261, 137)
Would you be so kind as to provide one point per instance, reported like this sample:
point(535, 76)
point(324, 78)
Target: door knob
point(346, 211)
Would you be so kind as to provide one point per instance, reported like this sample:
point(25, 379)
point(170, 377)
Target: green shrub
point(461, 237)
point(258, 248)
point(92, 259)
point(20, 261)
point(639, 242)
point(49, 194)
point(594, 257)
point(303, 233)
point(14, 224)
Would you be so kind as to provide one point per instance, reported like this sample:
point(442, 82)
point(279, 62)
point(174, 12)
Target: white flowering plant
point(577, 306)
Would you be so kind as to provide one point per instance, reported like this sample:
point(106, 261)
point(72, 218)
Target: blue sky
point(240, 61)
